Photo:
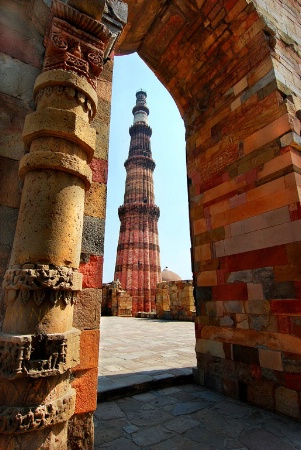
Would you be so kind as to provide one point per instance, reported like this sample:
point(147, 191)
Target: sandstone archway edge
point(232, 68)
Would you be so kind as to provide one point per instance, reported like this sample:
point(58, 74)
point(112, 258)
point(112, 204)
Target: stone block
point(95, 204)
point(10, 186)
point(246, 355)
point(235, 291)
point(296, 326)
point(208, 278)
point(293, 381)
point(287, 273)
point(267, 134)
point(60, 123)
point(92, 272)
point(87, 309)
point(18, 38)
point(242, 321)
point(99, 169)
point(287, 307)
point(282, 234)
point(13, 112)
point(257, 307)
point(255, 291)
point(244, 276)
point(287, 402)
point(213, 348)
point(93, 236)
point(261, 393)
point(226, 321)
point(89, 349)
point(270, 359)
point(17, 78)
point(8, 221)
point(291, 363)
point(81, 432)
point(85, 385)
point(266, 256)
point(261, 221)
point(234, 306)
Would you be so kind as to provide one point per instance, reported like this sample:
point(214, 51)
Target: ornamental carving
point(140, 128)
point(140, 208)
point(70, 48)
point(16, 419)
point(41, 283)
point(70, 93)
point(37, 355)
point(140, 161)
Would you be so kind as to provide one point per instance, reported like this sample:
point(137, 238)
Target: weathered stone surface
point(87, 309)
point(93, 236)
point(81, 432)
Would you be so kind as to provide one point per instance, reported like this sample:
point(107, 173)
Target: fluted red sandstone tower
point(138, 253)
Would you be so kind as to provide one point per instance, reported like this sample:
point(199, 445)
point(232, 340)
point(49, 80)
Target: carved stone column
point(38, 345)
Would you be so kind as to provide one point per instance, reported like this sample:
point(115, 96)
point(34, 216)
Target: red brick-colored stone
point(257, 258)
point(89, 345)
point(99, 170)
point(86, 390)
point(287, 306)
point(235, 291)
point(92, 272)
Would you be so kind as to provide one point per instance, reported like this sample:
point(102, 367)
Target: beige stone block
point(87, 309)
point(270, 360)
point(261, 221)
point(213, 348)
point(260, 205)
point(208, 278)
point(252, 338)
point(50, 231)
point(236, 104)
point(255, 291)
point(266, 189)
point(59, 77)
point(199, 226)
point(57, 161)
point(60, 123)
point(95, 204)
point(280, 162)
point(203, 252)
point(240, 86)
point(267, 134)
point(269, 237)
point(287, 402)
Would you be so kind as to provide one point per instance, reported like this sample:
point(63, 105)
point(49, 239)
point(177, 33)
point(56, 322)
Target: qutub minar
point(138, 253)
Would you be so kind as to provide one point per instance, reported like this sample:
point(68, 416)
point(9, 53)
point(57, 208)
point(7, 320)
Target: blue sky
point(168, 151)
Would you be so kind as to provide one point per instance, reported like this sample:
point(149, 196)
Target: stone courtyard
point(137, 352)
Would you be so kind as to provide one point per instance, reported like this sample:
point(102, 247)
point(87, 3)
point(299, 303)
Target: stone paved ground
point(134, 351)
point(188, 417)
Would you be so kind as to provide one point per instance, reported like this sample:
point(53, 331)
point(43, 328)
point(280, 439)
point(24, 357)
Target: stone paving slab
point(190, 417)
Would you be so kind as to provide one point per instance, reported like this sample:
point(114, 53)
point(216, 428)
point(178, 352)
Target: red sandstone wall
point(240, 106)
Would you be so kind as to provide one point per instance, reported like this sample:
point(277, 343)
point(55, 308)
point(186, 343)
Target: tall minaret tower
point(138, 254)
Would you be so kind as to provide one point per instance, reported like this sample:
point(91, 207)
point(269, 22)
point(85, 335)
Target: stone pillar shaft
point(39, 346)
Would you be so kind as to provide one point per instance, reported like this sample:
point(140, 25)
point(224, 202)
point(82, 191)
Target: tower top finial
point(141, 111)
